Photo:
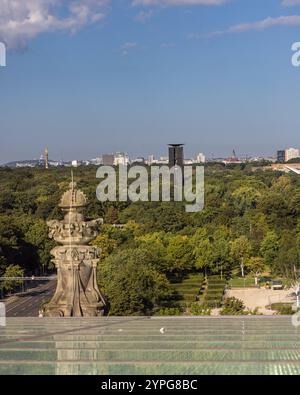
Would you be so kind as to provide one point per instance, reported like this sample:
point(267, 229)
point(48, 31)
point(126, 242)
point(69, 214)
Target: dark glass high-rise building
point(281, 156)
point(176, 156)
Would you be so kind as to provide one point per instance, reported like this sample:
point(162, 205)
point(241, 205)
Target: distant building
point(121, 159)
point(139, 160)
point(287, 154)
point(75, 163)
point(233, 159)
point(25, 164)
point(200, 158)
point(291, 153)
point(176, 155)
point(151, 159)
point(41, 162)
point(189, 161)
point(280, 156)
point(54, 163)
point(262, 159)
point(108, 159)
point(163, 160)
point(96, 161)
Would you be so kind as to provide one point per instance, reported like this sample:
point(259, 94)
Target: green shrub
point(276, 306)
point(213, 303)
point(233, 306)
point(284, 310)
point(200, 309)
point(254, 311)
point(169, 311)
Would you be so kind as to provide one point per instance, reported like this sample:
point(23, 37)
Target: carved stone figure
point(77, 293)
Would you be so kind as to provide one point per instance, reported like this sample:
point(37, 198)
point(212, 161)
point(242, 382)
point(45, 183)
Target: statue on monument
point(77, 293)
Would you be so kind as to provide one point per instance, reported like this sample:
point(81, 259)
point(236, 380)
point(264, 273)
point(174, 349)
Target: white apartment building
point(75, 163)
point(121, 159)
point(291, 153)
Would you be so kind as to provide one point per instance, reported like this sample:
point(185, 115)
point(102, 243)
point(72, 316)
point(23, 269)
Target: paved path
point(27, 304)
point(261, 298)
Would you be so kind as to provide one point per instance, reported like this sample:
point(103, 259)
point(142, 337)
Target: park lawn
point(242, 282)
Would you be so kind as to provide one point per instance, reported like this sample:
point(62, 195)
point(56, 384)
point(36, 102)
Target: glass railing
point(139, 345)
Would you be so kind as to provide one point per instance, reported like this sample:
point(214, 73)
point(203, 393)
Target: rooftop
point(139, 345)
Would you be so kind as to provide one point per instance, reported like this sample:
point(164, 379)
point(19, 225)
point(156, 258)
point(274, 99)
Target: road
point(27, 304)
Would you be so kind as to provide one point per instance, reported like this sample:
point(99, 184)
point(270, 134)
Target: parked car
point(277, 284)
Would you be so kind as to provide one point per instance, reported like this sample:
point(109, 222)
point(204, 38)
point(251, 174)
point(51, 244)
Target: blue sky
point(97, 76)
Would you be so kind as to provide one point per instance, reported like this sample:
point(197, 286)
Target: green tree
point(256, 266)
point(106, 245)
point(221, 249)
point(203, 250)
point(37, 237)
point(156, 244)
point(282, 184)
point(245, 198)
point(240, 251)
point(212, 251)
point(12, 271)
point(287, 262)
point(180, 254)
point(269, 248)
point(131, 283)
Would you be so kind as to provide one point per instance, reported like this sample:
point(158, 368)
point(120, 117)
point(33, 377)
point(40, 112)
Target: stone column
point(77, 293)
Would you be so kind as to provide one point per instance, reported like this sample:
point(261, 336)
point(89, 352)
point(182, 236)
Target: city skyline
point(121, 157)
point(162, 152)
point(134, 75)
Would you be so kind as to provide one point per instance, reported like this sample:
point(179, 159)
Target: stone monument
point(77, 293)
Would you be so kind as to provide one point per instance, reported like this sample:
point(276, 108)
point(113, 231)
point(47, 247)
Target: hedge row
point(213, 294)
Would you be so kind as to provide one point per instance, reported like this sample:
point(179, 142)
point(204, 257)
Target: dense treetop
point(250, 222)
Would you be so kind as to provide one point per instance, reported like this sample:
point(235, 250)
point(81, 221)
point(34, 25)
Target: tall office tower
point(280, 156)
point(46, 157)
point(291, 153)
point(176, 156)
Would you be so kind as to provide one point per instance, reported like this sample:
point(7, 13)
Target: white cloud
point(289, 3)
point(267, 23)
point(178, 2)
point(22, 20)
point(290, 20)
